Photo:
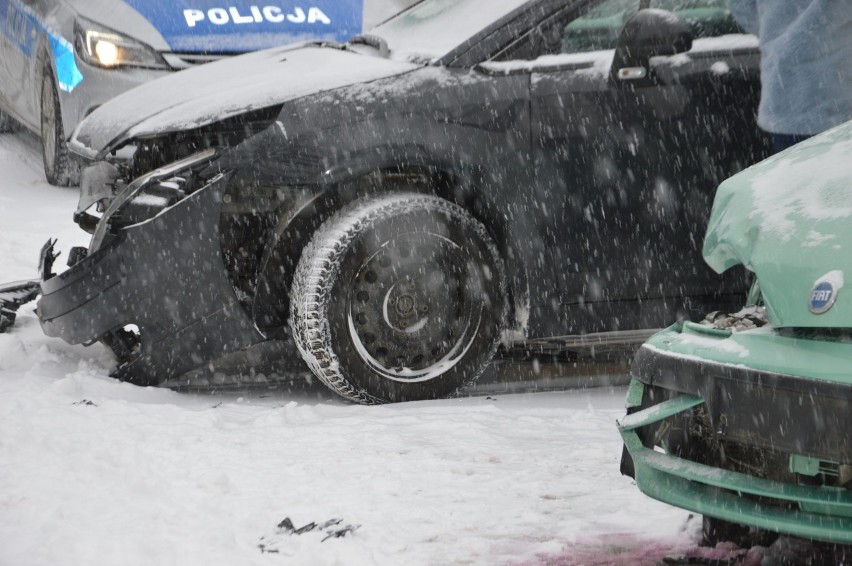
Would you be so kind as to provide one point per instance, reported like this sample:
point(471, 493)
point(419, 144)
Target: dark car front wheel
point(59, 168)
point(398, 298)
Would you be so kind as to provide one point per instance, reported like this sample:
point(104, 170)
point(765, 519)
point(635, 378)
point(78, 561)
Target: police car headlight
point(100, 46)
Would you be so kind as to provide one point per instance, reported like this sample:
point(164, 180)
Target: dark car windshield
point(433, 28)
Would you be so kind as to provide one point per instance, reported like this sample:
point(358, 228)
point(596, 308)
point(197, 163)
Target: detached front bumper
point(166, 276)
point(749, 445)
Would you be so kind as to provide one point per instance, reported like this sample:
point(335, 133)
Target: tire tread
point(317, 272)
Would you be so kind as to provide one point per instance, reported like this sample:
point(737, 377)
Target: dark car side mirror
point(649, 33)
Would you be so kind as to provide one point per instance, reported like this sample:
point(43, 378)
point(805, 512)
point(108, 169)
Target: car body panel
point(788, 220)
point(658, 200)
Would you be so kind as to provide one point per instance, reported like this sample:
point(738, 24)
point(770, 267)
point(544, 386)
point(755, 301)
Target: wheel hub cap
point(412, 314)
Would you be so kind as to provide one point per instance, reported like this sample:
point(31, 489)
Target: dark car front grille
point(187, 60)
point(199, 58)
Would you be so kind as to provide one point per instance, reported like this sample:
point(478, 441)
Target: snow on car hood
point(789, 219)
point(215, 91)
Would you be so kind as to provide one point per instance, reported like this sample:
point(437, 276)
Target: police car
point(61, 59)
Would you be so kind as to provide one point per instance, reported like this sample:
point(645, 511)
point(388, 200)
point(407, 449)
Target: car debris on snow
point(12, 296)
point(331, 528)
point(17, 293)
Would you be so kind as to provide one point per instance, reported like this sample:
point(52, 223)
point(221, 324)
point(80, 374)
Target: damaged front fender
point(186, 314)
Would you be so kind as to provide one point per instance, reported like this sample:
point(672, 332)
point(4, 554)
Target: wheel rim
point(412, 309)
point(48, 126)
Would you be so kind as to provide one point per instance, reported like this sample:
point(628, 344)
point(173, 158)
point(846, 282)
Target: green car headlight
point(103, 47)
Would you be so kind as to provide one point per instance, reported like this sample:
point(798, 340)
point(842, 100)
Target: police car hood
point(224, 26)
point(215, 91)
point(789, 219)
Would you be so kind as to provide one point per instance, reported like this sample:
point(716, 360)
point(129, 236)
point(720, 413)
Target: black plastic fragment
point(76, 255)
point(288, 527)
point(48, 256)
point(12, 296)
point(339, 533)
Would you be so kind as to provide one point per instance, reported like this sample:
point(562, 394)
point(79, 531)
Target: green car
point(746, 418)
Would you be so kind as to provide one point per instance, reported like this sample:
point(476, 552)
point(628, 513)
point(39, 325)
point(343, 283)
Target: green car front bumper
point(716, 426)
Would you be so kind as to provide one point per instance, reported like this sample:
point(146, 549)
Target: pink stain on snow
point(627, 549)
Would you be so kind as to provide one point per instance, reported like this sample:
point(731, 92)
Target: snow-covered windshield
point(434, 27)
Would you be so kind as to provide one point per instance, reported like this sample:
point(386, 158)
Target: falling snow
point(93, 471)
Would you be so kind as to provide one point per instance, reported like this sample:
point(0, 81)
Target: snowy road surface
point(96, 472)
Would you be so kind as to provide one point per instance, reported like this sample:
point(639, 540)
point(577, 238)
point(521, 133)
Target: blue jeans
point(780, 142)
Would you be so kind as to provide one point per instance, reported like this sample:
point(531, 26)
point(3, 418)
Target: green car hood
point(761, 349)
point(789, 220)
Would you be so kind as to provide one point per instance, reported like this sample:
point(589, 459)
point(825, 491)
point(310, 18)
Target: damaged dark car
point(470, 174)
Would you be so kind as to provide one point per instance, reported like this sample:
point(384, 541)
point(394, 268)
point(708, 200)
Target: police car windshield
point(433, 28)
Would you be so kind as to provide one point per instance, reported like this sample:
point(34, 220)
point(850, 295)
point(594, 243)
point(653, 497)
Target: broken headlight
point(149, 195)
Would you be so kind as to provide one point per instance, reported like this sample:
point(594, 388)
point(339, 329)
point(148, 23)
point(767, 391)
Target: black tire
point(8, 125)
point(398, 298)
point(59, 168)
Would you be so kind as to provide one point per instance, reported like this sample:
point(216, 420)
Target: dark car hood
point(215, 91)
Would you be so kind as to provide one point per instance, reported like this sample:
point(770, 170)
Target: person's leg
point(780, 142)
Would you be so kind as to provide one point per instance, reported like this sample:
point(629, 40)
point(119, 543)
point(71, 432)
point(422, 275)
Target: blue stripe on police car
point(23, 28)
point(234, 26)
